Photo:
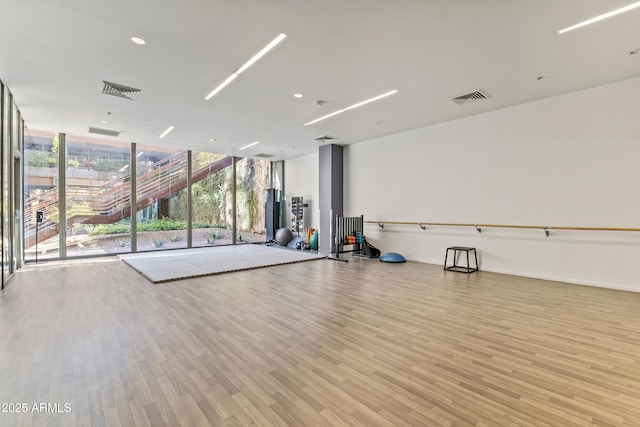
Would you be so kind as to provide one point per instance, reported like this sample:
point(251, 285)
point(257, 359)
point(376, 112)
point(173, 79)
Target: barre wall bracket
point(478, 229)
point(381, 225)
point(424, 227)
point(546, 231)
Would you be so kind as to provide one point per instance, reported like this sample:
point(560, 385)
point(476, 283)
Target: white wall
point(571, 160)
point(301, 180)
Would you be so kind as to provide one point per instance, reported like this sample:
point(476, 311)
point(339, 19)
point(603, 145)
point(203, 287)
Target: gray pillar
point(331, 201)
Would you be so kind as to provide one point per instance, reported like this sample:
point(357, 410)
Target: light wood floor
point(317, 344)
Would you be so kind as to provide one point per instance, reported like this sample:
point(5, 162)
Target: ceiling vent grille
point(264, 155)
point(476, 95)
point(324, 138)
point(106, 132)
point(120, 91)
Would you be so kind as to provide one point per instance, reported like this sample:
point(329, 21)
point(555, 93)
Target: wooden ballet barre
point(478, 227)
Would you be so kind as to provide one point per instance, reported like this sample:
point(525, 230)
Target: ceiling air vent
point(120, 91)
point(324, 138)
point(476, 95)
point(264, 155)
point(106, 132)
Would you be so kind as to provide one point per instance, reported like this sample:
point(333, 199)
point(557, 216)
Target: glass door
point(18, 255)
point(4, 180)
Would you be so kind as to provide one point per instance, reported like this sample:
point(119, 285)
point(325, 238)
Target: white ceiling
point(54, 55)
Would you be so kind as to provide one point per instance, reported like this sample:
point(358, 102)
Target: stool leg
point(475, 254)
point(468, 265)
point(446, 254)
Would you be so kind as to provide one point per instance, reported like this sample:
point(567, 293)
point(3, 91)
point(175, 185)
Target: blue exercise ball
point(392, 257)
point(284, 236)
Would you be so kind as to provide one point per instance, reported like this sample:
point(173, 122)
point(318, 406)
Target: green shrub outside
point(164, 224)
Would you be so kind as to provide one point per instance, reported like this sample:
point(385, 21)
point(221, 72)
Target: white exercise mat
point(187, 263)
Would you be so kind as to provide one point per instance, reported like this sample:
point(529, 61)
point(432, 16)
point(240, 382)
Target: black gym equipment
point(272, 214)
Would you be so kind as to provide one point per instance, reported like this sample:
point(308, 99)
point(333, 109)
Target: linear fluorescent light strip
point(249, 145)
point(351, 107)
point(601, 17)
point(166, 132)
point(248, 64)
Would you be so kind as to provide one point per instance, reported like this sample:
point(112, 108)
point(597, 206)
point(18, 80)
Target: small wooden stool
point(455, 267)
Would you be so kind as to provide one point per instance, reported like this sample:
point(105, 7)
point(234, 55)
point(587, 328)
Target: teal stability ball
point(392, 257)
point(313, 240)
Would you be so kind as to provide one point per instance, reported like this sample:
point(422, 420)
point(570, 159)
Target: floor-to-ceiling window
point(4, 179)
point(15, 193)
point(98, 196)
point(211, 199)
point(41, 194)
point(11, 133)
point(252, 181)
point(161, 195)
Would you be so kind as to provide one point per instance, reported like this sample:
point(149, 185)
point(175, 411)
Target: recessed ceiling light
point(601, 17)
point(104, 121)
point(298, 95)
point(249, 145)
point(138, 41)
point(166, 132)
point(351, 107)
point(248, 64)
point(212, 140)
